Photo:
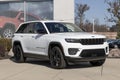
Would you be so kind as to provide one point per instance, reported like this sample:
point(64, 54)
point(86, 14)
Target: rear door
point(23, 35)
point(28, 32)
point(33, 37)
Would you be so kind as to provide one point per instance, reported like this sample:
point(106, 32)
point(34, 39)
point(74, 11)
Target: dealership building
point(64, 10)
point(45, 9)
point(14, 12)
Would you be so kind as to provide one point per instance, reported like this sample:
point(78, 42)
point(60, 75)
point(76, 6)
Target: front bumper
point(72, 59)
point(76, 50)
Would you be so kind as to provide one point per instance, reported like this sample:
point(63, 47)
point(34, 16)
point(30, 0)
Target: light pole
point(24, 11)
point(93, 30)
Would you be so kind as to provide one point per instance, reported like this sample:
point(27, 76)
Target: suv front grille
point(93, 53)
point(92, 41)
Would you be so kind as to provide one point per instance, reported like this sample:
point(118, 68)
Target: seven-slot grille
point(93, 53)
point(92, 41)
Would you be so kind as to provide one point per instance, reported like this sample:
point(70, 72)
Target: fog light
point(72, 51)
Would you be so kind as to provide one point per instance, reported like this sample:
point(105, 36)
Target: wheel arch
point(16, 43)
point(53, 44)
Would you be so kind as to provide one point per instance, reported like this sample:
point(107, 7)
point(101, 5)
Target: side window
point(39, 28)
point(21, 29)
point(29, 28)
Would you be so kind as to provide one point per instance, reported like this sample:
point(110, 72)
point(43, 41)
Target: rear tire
point(97, 63)
point(18, 54)
point(56, 57)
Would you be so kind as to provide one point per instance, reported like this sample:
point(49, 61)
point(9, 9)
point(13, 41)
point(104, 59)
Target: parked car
point(112, 43)
point(59, 42)
point(118, 43)
point(10, 20)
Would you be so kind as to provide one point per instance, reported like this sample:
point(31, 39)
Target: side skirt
point(38, 56)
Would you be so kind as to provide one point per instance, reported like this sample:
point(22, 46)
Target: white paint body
point(37, 44)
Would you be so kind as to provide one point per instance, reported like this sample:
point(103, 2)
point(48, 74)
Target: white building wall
point(64, 10)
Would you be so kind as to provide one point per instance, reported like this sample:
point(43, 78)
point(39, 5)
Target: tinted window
point(32, 28)
point(21, 29)
point(29, 28)
point(39, 28)
point(26, 28)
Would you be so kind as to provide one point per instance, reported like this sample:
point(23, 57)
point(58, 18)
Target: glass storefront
point(12, 13)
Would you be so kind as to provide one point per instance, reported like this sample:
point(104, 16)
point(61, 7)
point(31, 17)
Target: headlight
point(72, 40)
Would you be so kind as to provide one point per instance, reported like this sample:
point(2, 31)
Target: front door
point(38, 40)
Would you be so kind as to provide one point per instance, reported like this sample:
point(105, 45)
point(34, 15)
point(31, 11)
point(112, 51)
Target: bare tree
point(98, 27)
point(114, 10)
point(88, 26)
point(80, 10)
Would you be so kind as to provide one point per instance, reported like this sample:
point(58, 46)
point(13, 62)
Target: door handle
point(21, 36)
point(33, 36)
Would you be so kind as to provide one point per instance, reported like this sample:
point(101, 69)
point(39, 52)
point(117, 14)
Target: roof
point(44, 21)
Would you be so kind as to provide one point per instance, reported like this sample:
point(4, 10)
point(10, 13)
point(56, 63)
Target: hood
point(78, 35)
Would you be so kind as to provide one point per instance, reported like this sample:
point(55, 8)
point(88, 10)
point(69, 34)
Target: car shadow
point(46, 63)
point(79, 65)
point(34, 61)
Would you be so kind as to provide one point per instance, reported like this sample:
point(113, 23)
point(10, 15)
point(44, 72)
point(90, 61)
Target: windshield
point(56, 27)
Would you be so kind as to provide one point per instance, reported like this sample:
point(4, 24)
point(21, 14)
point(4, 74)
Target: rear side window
point(29, 28)
point(21, 29)
point(34, 27)
point(26, 28)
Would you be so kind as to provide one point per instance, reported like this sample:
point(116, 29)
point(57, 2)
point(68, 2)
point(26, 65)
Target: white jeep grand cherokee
point(60, 42)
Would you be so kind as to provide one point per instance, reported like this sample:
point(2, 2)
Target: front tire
point(18, 54)
point(56, 58)
point(97, 63)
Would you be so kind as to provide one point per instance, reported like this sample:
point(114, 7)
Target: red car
point(9, 21)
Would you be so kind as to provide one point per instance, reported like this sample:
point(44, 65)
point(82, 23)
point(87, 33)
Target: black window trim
point(27, 24)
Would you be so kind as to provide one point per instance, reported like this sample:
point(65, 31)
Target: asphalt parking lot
point(40, 70)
